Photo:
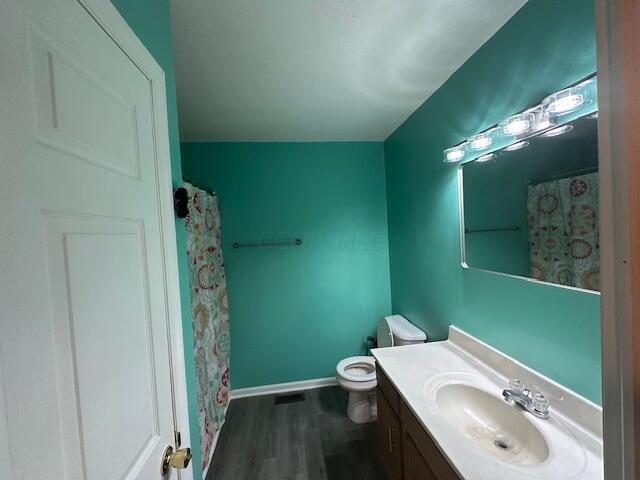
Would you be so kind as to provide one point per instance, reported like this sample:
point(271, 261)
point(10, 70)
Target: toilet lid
point(385, 337)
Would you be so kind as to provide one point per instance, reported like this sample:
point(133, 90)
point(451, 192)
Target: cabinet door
point(415, 465)
point(389, 437)
point(422, 460)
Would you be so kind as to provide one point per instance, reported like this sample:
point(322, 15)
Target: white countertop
point(573, 433)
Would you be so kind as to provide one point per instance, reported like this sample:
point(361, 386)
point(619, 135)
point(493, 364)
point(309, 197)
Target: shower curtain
point(563, 231)
point(209, 313)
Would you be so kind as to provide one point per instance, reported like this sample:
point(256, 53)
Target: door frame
point(110, 20)
point(618, 44)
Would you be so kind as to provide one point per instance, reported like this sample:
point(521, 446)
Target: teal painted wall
point(546, 46)
point(151, 21)
point(296, 311)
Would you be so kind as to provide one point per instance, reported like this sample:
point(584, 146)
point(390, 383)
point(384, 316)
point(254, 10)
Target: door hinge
point(178, 439)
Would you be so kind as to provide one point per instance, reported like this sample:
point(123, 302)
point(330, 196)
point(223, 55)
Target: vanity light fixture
point(551, 116)
point(558, 131)
point(455, 154)
point(517, 146)
point(565, 101)
point(486, 158)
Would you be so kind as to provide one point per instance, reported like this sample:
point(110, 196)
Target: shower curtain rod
point(560, 176)
point(297, 242)
point(513, 228)
point(195, 184)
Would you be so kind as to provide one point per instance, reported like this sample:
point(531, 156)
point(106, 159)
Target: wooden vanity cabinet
point(406, 449)
point(389, 437)
point(389, 427)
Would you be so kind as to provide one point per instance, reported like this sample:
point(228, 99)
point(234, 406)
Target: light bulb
point(566, 104)
point(518, 124)
point(517, 127)
point(564, 101)
point(455, 154)
point(482, 141)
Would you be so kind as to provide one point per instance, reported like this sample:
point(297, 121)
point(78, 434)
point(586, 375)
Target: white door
point(84, 348)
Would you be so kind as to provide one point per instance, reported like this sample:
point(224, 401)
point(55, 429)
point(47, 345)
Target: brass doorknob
point(174, 459)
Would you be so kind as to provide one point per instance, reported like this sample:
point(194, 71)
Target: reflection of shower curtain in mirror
point(209, 314)
point(563, 231)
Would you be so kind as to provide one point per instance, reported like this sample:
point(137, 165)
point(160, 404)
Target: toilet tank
point(404, 332)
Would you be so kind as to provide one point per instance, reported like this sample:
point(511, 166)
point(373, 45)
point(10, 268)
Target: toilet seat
point(359, 369)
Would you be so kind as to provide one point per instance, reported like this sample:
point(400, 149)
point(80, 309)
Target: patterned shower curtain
point(563, 231)
point(209, 311)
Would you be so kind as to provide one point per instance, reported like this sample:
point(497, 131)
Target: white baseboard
point(214, 444)
point(282, 387)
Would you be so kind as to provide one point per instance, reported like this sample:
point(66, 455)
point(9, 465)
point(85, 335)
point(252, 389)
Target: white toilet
point(357, 375)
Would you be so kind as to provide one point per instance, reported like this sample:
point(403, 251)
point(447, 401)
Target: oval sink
point(495, 426)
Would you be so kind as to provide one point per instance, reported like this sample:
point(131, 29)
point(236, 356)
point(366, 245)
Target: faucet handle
point(540, 403)
point(515, 385)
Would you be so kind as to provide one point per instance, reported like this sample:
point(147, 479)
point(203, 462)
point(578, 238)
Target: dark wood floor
point(309, 440)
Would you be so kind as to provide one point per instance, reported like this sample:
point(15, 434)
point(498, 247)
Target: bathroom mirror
point(531, 209)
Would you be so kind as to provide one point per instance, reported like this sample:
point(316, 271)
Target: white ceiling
point(318, 70)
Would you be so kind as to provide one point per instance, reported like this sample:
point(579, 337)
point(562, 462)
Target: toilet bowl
point(357, 375)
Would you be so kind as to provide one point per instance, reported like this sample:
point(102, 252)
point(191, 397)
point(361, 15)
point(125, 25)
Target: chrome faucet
point(534, 403)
